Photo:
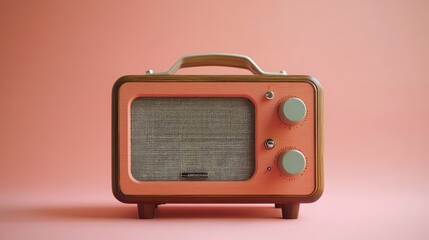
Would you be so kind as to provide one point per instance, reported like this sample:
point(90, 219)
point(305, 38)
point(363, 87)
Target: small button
point(269, 95)
point(269, 144)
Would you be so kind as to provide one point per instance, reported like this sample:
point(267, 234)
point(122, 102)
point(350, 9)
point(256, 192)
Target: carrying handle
point(216, 59)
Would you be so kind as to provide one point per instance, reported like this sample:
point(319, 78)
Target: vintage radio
point(217, 138)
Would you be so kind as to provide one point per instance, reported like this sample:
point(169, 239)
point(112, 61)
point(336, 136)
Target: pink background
point(59, 60)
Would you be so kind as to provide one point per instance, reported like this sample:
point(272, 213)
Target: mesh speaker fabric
point(170, 136)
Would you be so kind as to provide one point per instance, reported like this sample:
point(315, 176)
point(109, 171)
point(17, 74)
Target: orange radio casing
point(288, 140)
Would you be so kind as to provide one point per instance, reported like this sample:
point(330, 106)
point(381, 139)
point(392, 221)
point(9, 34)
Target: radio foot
point(277, 205)
point(146, 210)
point(290, 210)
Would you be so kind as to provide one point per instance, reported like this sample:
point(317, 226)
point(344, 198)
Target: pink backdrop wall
point(59, 60)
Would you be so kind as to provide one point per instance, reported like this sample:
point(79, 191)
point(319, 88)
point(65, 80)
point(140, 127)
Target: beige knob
point(292, 111)
point(291, 162)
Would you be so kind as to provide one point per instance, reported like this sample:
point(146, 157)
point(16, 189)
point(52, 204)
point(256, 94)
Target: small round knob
point(292, 111)
point(269, 95)
point(269, 144)
point(291, 162)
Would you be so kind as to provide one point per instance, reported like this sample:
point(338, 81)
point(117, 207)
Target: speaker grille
point(176, 137)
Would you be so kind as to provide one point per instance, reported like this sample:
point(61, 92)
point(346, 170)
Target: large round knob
point(291, 162)
point(292, 111)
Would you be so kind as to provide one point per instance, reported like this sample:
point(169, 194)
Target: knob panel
point(292, 111)
point(291, 162)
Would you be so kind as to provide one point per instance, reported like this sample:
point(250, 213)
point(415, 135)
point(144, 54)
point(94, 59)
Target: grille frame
point(223, 146)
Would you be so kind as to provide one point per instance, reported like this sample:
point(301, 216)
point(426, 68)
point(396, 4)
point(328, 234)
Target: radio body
point(217, 138)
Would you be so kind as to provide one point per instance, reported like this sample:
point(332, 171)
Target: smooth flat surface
point(59, 60)
point(333, 217)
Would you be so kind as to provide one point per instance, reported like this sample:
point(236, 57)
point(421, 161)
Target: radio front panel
point(255, 137)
